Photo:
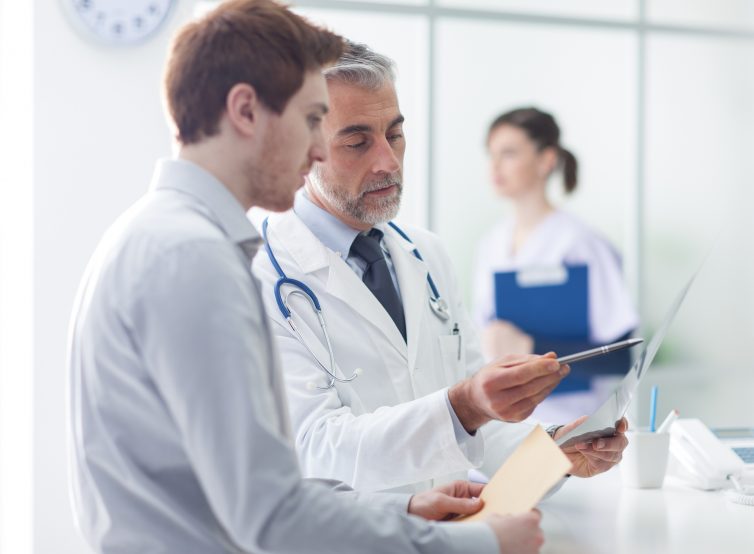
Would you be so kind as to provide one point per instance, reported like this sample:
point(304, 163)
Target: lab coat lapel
point(298, 241)
point(311, 255)
point(343, 283)
point(412, 279)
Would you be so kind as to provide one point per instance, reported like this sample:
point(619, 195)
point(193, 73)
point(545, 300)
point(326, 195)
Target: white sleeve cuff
point(471, 447)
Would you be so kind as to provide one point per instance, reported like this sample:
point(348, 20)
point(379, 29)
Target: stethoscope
point(438, 305)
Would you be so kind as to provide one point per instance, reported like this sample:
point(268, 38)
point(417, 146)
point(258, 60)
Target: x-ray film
point(603, 422)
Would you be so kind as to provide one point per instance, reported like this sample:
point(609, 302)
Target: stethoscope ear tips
point(358, 371)
point(311, 385)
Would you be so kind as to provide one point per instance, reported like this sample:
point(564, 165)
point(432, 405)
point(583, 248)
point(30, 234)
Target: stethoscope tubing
point(402, 233)
point(438, 305)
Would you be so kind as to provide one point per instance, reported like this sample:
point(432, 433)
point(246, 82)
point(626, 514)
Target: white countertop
point(599, 515)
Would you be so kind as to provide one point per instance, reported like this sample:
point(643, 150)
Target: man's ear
point(242, 107)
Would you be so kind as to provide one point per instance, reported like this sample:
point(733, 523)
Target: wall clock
point(118, 22)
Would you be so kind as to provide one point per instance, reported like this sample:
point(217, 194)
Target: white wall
point(614, 9)
point(99, 128)
point(698, 198)
point(16, 351)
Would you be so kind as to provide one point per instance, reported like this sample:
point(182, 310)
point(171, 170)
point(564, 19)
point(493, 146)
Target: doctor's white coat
point(390, 427)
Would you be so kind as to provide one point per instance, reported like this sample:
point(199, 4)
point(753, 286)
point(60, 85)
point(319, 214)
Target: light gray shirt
point(179, 432)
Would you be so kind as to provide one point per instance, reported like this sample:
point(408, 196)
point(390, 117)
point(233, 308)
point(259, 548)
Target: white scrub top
point(560, 239)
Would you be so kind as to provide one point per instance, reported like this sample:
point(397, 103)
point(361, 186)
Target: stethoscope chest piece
point(440, 308)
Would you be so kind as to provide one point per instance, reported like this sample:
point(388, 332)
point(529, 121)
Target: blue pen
point(653, 409)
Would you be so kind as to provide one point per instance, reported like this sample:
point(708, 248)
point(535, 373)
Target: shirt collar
point(332, 232)
point(189, 178)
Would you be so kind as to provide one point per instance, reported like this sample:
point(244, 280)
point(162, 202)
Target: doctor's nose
point(386, 160)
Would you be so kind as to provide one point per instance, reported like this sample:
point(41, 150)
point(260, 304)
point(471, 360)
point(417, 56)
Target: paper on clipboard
point(525, 477)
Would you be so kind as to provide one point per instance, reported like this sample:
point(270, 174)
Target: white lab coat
point(561, 239)
point(390, 427)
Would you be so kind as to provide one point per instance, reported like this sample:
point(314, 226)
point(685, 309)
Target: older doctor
point(389, 389)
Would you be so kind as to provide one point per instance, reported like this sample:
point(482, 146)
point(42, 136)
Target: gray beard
point(385, 210)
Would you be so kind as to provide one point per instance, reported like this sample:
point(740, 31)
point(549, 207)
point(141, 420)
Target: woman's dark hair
point(543, 130)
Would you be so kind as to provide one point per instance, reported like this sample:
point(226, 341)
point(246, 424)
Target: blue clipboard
point(546, 302)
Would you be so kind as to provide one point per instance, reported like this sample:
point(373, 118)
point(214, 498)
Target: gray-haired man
point(410, 417)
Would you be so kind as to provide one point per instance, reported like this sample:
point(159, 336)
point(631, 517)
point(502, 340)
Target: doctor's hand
point(519, 534)
point(508, 389)
point(447, 501)
point(590, 459)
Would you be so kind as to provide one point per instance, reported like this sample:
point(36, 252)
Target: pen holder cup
point(645, 459)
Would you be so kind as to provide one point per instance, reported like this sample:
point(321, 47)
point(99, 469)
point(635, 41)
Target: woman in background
point(524, 150)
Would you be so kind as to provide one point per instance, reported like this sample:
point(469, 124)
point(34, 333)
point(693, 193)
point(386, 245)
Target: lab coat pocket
point(453, 358)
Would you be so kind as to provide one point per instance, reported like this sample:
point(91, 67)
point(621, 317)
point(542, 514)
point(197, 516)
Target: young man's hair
point(258, 42)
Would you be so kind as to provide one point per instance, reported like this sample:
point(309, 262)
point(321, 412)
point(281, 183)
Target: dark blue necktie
point(377, 276)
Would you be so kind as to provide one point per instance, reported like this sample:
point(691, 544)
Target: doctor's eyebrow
point(363, 128)
point(351, 129)
point(397, 121)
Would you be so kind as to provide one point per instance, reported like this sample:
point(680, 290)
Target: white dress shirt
point(179, 431)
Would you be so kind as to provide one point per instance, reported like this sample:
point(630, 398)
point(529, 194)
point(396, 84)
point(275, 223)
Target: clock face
point(118, 22)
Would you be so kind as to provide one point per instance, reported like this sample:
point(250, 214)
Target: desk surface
point(598, 515)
